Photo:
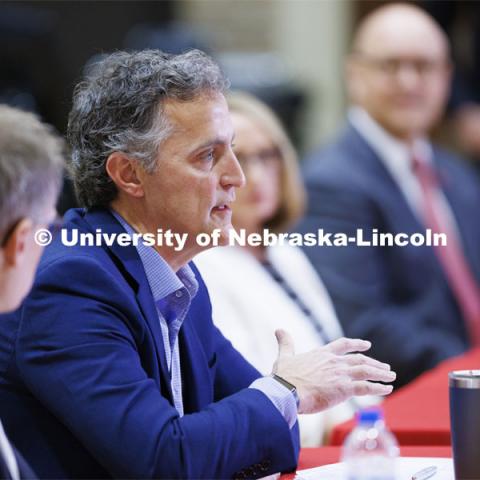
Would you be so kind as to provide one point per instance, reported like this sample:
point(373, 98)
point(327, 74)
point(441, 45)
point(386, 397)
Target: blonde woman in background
point(256, 290)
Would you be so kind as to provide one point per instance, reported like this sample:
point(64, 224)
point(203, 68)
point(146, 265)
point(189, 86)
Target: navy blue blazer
point(397, 297)
point(84, 386)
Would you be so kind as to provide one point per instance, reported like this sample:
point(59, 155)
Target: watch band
point(290, 386)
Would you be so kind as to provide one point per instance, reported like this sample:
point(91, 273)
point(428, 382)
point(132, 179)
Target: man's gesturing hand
point(331, 374)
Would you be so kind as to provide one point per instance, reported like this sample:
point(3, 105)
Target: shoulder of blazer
point(349, 154)
point(347, 165)
point(116, 259)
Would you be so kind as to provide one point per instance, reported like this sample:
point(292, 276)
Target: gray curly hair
point(118, 108)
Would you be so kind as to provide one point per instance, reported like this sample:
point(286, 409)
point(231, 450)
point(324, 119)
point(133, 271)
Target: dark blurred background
point(289, 53)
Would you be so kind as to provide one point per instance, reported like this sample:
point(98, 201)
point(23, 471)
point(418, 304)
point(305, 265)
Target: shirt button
point(178, 294)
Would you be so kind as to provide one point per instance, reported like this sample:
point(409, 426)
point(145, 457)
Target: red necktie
point(451, 257)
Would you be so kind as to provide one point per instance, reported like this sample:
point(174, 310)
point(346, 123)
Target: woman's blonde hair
point(292, 191)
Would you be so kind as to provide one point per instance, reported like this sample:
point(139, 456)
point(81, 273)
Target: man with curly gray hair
point(120, 368)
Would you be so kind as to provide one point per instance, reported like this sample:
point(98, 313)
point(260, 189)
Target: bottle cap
point(370, 415)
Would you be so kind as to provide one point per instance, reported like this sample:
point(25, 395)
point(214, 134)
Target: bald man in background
point(417, 304)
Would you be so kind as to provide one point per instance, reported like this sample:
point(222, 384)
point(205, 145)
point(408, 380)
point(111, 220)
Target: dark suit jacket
point(85, 391)
point(397, 297)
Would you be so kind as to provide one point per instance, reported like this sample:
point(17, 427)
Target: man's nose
point(232, 175)
point(408, 76)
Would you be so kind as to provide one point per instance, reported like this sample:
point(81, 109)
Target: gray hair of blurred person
point(292, 190)
point(118, 108)
point(31, 164)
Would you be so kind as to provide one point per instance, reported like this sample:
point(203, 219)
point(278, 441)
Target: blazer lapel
point(400, 214)
point(361, 152)
point(197, 374)
point(129, 260)
point(198, 382)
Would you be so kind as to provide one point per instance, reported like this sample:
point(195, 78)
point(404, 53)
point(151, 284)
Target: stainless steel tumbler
point(465, 423)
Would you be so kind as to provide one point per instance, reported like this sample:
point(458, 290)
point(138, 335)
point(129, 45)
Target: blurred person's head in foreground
point(273, 196)
point(31, 164)
point(399, 70)
point(152, 139)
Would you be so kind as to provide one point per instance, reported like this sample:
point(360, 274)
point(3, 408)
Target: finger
point(285, 344)
point(366, 372)
point(360, 359)
point(368, 388)
point(344, 345)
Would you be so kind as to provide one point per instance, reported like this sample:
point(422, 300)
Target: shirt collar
point(394, 153)
point(162, 279)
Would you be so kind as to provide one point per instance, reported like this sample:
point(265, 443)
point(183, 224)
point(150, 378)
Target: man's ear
point(124, 172)
point(16, 244)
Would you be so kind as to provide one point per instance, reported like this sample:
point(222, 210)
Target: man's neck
point(133, 215)
point(386, 145)
point(363, 119)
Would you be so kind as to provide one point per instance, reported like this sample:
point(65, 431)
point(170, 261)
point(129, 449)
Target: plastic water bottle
point(370, 450)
